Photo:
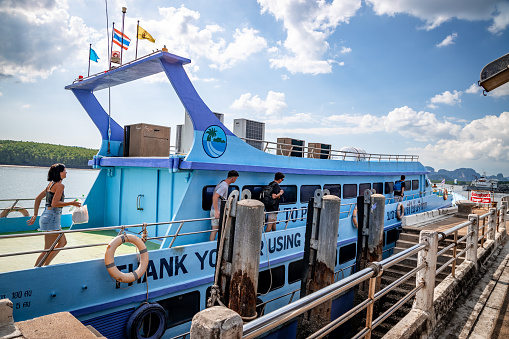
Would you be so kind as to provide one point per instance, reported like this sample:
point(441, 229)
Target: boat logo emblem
point(214, 141)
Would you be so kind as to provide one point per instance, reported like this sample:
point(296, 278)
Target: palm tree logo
point(214, 141)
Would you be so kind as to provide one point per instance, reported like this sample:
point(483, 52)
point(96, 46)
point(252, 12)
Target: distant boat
point(483, 184)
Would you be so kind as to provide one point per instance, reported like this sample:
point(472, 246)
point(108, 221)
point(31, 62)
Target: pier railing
point(320, 153)
point(427, 250)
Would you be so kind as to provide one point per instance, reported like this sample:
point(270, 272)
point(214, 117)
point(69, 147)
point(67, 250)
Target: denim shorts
point(50, 219)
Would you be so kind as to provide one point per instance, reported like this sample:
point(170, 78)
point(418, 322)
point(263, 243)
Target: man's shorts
point(214, 222)
point(272, 217)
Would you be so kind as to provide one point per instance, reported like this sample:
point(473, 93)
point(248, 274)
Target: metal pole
point(89, 54)
point(124, 10)
point(137, 30)
point(111, 49)
point(50, 250)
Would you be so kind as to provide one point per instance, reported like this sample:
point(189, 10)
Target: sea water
point(26, 182)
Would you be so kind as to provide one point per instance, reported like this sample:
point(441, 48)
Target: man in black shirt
point(276, 194)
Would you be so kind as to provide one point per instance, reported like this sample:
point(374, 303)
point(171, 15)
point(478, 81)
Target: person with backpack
point(271, 195)
point(399, 189)
point(220, 192)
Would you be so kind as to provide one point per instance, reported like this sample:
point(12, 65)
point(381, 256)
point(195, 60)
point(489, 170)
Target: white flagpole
point(124, 9)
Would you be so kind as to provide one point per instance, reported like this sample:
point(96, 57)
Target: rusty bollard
point(246, 257)
point(319, 258)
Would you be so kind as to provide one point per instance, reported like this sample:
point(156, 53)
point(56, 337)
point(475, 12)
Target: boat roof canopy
point(134, 70)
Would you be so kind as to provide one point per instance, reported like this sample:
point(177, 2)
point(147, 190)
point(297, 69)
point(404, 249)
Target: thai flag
point(117, 39)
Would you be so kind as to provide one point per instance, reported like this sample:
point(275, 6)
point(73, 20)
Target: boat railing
point(320, 153)
point(17, 205)
point(429, 243)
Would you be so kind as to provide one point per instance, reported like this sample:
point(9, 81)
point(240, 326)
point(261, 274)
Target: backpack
point(266, 195)
point(397, 185)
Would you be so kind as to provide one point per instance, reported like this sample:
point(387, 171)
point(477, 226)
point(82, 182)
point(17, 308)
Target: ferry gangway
point(472, 240)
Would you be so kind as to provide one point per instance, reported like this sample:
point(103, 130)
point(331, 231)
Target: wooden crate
point(144, 140)
point(291, 147)
point(318, 150)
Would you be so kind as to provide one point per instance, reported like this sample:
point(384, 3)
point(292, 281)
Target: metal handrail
point(339, 155)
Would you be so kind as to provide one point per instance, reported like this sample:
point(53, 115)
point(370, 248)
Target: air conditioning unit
point(290, 147)
point(220, 116)
point(185, 134)
point(318, 151)
point(249, 129)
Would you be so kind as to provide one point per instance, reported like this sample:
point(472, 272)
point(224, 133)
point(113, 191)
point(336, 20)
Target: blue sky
point(392, 77)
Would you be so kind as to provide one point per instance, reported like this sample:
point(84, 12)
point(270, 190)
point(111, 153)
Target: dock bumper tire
point(400, 211)
point(147, 321)
point(109, 258)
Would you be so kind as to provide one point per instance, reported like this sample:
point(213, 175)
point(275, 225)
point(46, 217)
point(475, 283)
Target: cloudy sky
point(392, 77)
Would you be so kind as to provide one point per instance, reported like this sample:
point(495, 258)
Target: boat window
point(271, 279)
point(290, 195)
point(255, 191)
point(363, 187)
point(408, 185)
point(392, 236)
point(378, 187)
point(307, 192)
point(427, 181)
point(388, 187)
point(206, 197)
point(349, 191)
point(295, 271)
point(181, 309)
point(347, 253)
point(415, 185)
point(333, 189)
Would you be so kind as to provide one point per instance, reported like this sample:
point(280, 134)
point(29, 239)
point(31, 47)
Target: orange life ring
point(400, 211)
point(445, 194)
point(6, 212)
point(354, 218)
point(109, 258)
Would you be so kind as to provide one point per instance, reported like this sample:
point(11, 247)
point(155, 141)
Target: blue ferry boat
point(172, 195)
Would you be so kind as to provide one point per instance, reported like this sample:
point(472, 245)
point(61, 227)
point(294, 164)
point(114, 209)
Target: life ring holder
point(109, 258)
point(400, 211)
point(355, 222)
point(7, 211)
point(152, 313)
point(446, 194)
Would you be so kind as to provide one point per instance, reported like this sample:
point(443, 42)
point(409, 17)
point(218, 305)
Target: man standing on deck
point(220, 192)
point(273, 205)
point(399, 189)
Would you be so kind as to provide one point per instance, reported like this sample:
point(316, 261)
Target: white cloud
point(435, 12)
point(35, 36)
point(285, 77)
point(308, 24)
point(345, 50)
point(25, 106)
point(474, 89)
point(1, 94)
point(446, 98)
point(273, 103)
point(484, 139)
point(449, 40)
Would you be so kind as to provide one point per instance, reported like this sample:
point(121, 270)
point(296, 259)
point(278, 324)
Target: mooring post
point(320, 254)
point(246, 254)
point(473, 238)
point(216, 322)
point(492, 224)
point(504, 214)
point(428, 255)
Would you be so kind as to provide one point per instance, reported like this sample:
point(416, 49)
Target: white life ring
point(109, 258)
point(354, 218)
point(400, 211)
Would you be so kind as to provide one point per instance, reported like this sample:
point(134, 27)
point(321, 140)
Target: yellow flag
point(143, 34)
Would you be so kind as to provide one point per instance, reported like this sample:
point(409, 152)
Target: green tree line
point(29, 153)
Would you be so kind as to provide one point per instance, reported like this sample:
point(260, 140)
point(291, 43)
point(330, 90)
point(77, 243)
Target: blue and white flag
point(443, 181)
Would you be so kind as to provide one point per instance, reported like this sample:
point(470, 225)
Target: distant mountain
point(462, 174)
